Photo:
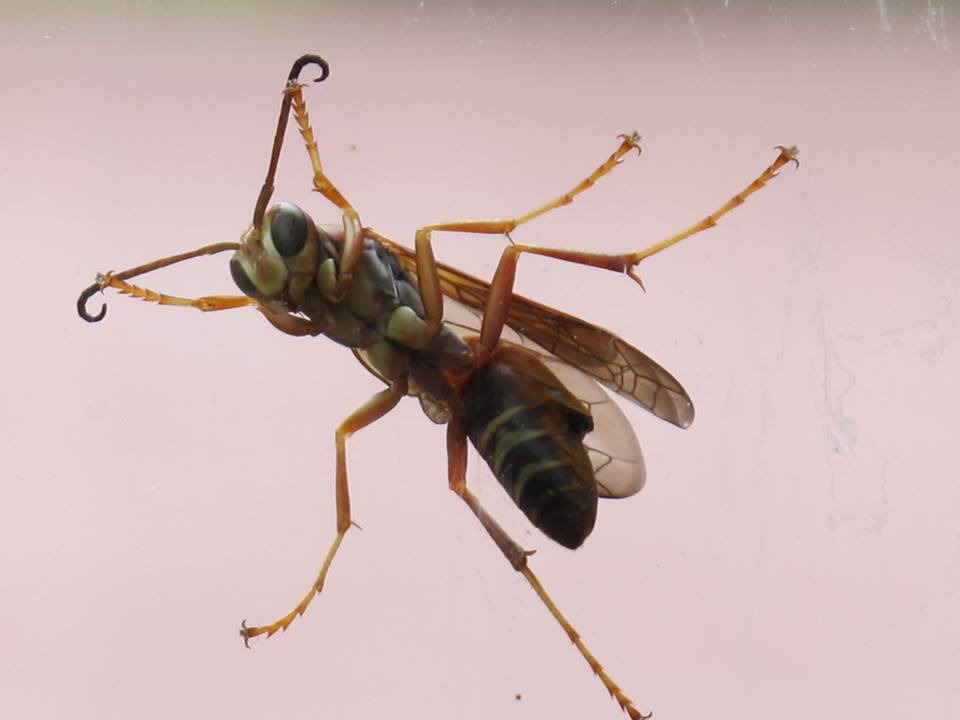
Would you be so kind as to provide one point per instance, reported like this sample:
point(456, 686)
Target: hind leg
point(517, 557)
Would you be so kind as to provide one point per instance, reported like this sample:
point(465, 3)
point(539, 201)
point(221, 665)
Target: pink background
point(795, 554)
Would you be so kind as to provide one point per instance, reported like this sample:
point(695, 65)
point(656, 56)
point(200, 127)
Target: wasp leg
point(624, 263)
point(429, 280)
point(501, 288)
point(207, 303)
point(111, 280)
point(350, 253)
point(293, 97)
point(293, 324)
point(368, 413)
point(517, 556)
point(321, 183)
point(353, 236)
point(627, 261)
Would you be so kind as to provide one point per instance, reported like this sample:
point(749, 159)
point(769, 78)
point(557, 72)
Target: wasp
point(517, 379)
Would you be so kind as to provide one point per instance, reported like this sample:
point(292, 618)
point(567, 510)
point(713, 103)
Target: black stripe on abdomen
point(534, 446)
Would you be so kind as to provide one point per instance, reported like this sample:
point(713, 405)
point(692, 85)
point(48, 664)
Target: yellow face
point(278, 261)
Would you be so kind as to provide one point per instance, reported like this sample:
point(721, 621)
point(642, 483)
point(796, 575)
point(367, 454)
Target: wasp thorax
point(277, 260)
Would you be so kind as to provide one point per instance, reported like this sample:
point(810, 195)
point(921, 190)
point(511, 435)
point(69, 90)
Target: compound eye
point(288, 229)
point(241, 278)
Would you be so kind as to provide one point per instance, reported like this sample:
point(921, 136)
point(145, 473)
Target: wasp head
point(278, 260)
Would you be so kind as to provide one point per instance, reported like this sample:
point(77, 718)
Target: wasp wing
point(597, 352)
point(612, 445)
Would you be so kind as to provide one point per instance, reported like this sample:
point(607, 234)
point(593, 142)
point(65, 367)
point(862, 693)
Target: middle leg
point(502, 285)
point(429, 280)
point(368, 413)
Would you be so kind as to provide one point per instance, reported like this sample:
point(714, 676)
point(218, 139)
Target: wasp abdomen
point(530, 429)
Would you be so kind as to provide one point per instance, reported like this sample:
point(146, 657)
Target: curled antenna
point(293, 85)
point(85, 298)
point(304, 60)
point(107, 279)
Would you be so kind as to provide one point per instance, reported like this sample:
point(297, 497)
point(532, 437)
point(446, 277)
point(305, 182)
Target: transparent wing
point(597, 352)
point(612, 445)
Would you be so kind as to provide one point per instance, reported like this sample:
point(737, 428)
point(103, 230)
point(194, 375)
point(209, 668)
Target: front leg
point(335, 282)
point(321, 183)
point(293, 98)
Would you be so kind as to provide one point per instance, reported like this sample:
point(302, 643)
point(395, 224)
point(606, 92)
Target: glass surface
point(794, 554)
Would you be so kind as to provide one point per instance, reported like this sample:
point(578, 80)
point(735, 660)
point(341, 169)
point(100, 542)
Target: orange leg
point(207, 303)
point(426, 264)
point(115, 280)
point(290, 324)
point(353, 231)
point(293, 324)
point(517, 557)
point(293, 99)
point(368, 413)
point(321, 183)
point(501, 288)
point(502, 285)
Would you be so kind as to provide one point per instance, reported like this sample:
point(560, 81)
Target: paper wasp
point(532, 405)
